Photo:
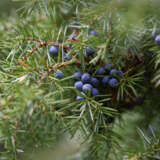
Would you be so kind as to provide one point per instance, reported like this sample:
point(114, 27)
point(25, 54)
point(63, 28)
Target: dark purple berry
point(113, 82)
point(87, 87)
point(77, 76)
point(95, 92)
point(95, 82)
point(59, 74)
point(53, 50)
point(86, 78)
point(78, 85)
point(105, 80)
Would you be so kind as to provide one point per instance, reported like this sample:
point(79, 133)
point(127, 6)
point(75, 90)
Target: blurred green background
point(8, 6)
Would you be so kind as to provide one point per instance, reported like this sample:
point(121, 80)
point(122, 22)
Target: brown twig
point(58, 66)
point(41, 45)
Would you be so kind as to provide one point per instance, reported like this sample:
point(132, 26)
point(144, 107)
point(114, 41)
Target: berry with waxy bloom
point(78, 85)
point(94, 81)
point(53, 50)
point(113, 82)
point(77, 76)
point(86, 78)
point(87, 88)
point(59, 74)
point(95, 92)
point(105, 80)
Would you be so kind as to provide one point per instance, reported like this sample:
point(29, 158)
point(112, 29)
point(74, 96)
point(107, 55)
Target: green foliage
point(38, 112)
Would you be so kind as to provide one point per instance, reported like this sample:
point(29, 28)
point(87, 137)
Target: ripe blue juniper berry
point(95, 82)
point(114, 72)
point(53, 50)
point(78, 85)
point(95, 92)
point(86, 78)
point(77, 76)
point(59, 74)
point(87, 87)
point(113, 82)
point(105, 80)
point(100, 71)
point(89, 52)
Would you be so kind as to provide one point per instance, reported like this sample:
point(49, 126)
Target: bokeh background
point(8, 7)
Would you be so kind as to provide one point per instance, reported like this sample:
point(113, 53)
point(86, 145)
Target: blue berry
point(86, 78)
point(113, 82)
point(78, 85)
point(93, 33)
point(89, 52)
point(87, 87)
point(100, 71)
point(106, 68)
point(157, 39)
point(95, 92)
point(95, 82)
point(113, 72)
point(105, 80)
point(79, 98)
point(53, 50)
point(59, 74)
point(77, 76)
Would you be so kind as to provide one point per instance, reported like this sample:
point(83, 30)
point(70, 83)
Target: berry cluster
point(95, 81)
point(92, 85)
point(85, 83)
